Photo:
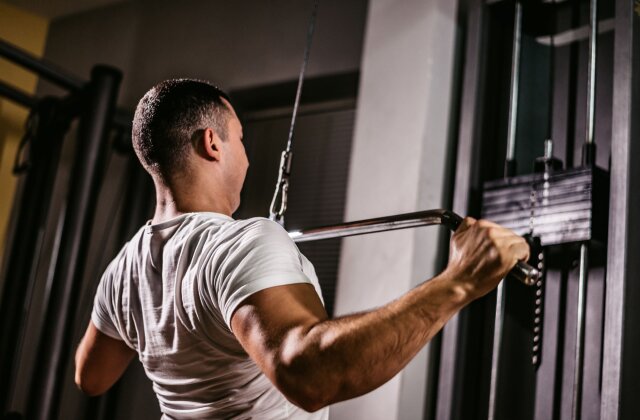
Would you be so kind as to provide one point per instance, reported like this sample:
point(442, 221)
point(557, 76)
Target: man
point(225, 315)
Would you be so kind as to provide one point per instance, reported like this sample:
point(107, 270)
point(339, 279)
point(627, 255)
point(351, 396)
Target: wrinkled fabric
point(170, 294)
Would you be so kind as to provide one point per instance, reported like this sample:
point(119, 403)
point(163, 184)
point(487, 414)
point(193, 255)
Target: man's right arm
point(316, 361)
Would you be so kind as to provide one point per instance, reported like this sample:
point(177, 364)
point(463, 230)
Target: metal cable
point(282, 185)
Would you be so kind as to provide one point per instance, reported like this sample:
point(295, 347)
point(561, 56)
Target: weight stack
point(560, 207)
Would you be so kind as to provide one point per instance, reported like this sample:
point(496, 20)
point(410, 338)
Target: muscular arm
point(315, 361)
point(100, 361)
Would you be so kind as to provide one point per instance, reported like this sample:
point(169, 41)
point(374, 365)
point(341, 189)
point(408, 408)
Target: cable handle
point(522, 271)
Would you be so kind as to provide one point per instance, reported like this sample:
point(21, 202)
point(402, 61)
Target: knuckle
point(493, 253)
point(492, 232)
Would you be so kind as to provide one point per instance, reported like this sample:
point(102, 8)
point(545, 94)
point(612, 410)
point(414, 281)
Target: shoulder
point(207, 224)
point(259, 230)
point(123, 258)
point(208, 238)
point(261, 226)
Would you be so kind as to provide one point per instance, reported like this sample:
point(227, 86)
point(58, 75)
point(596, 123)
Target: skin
point(313, 360)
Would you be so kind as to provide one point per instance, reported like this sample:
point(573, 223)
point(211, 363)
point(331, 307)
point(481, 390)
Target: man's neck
point(170, 204)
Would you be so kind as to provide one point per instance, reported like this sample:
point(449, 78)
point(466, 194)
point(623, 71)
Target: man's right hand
point(482, 253)
point(315, 361)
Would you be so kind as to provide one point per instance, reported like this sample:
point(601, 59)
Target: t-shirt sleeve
point(102, 315)
point(264, 257)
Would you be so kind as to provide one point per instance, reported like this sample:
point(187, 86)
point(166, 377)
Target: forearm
point(100, 361)
point(350, 356)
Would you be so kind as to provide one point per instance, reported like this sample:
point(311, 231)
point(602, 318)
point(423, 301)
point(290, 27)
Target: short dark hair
point(168, 116)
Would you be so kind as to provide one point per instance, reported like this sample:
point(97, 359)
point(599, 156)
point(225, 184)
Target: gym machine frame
point(94, 103)
point(617, 400)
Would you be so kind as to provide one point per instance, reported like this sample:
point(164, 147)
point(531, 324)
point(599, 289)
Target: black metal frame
point(22, 255)
point(462, 384)
point(43, 68)
point(95, 103)
point(51, 72)
point(55, 343)
point(17, 96)
point(452, 386)
point(620, 387)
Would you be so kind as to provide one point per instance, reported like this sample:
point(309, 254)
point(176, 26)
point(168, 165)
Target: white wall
point(398, 164)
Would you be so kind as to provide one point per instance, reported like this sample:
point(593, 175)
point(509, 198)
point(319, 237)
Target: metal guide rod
point(552, 79)
point(522, 271)
point(509, 170)
point(515, 82)
point(281, 192)
point(495, 356)
point(589, 147)
point(576, 406)
point(588, 159)
point(591, 80)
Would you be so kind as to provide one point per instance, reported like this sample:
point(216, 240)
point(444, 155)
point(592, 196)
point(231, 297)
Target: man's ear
point(211, 144)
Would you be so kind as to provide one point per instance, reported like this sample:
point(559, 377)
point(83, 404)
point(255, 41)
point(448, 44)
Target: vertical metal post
point(55, 344)
point(576, 407)
point(22, 254)
point(495, 356)
point(588, 159)
point(589, 148)
point(509, 170)
point(510, 163)
point(452, 384)
point(621, 343)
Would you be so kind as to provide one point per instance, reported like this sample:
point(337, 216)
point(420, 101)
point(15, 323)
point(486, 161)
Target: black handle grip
point(521, 271)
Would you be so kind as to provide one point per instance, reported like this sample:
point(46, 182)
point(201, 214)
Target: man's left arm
point(100, 361)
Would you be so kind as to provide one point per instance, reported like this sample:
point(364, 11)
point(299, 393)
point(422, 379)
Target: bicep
point(100, 361)
point(265, 321)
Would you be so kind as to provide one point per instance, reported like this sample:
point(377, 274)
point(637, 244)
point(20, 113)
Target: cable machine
point(527, 274)
point(536, 87)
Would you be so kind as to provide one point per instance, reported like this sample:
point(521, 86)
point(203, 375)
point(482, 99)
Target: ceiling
point(58, 8)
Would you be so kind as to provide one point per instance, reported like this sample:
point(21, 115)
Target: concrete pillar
point(401, 147)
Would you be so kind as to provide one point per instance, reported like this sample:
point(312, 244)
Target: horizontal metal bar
point(380, 224)
point(17, 96)
point(522, 271)
point(578, 34)
point(51, 72)
point(121, 119)
point(42, 67)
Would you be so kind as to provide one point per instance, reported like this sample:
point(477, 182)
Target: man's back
point(170, 294)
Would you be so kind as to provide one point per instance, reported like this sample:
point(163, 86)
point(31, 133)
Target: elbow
point(89, 387)
point(309, 403)
point(304, 387)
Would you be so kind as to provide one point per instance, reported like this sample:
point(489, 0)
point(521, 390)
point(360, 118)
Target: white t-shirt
point(170, 294)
